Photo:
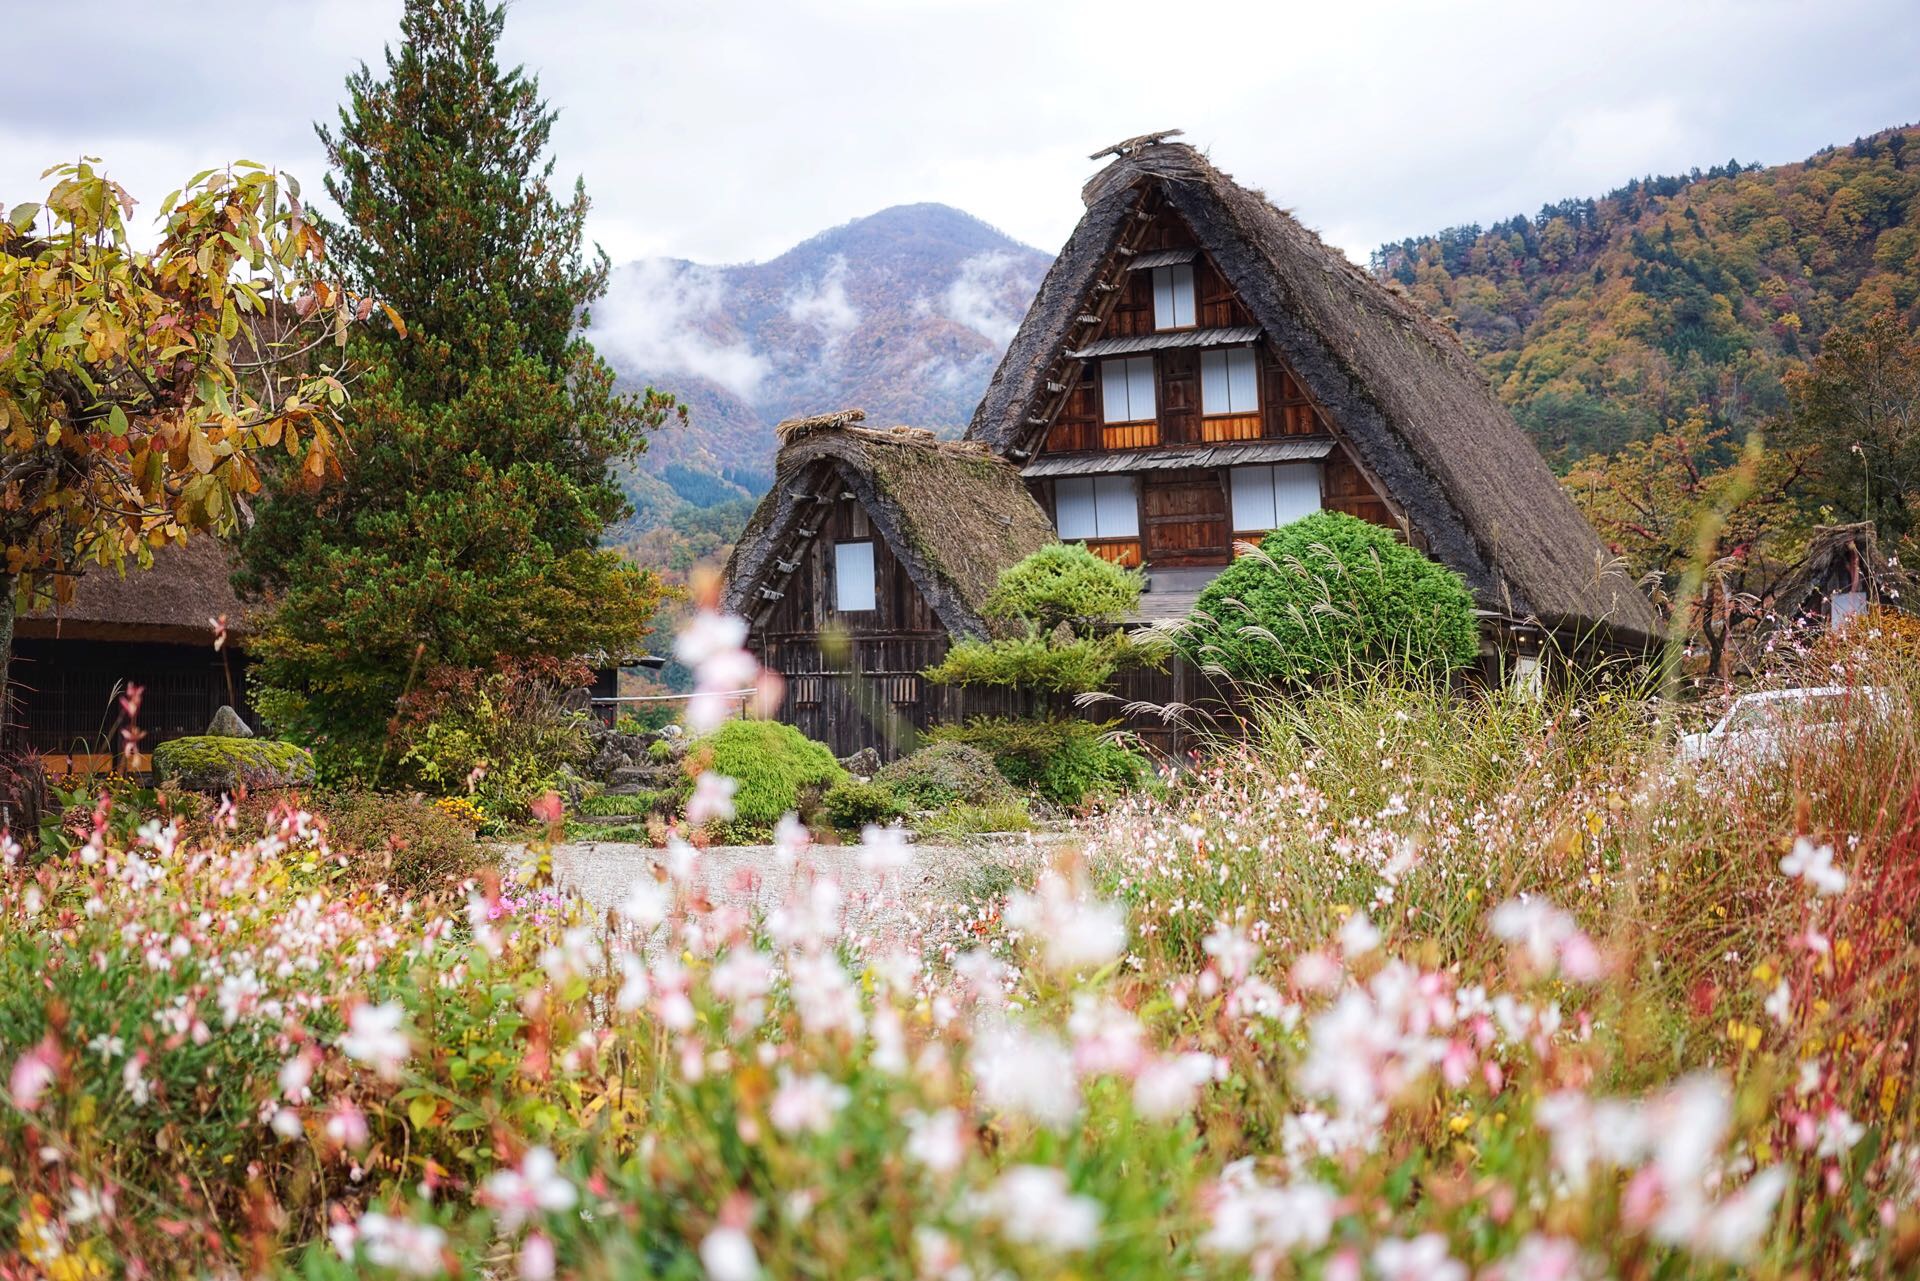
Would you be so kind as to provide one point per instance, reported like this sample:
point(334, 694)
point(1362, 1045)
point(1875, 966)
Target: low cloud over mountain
point(903, 313)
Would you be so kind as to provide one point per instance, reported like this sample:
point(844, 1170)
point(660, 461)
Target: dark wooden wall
point(66, 692)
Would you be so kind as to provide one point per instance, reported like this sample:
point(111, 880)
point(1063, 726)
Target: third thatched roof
point(1409, 402)
point(953, 514)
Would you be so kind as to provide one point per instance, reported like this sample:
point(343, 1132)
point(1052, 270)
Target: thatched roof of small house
point(1841, 558)
point(1413, 407)
point(172, 602)
point(952, 513)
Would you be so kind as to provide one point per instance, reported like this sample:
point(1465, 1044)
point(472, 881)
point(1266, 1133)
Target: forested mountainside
point(903, 313)
point(1599, 320)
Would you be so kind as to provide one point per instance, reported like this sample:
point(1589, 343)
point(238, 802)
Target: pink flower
point(727, 1255)
point(712, 798)
point(536, 1258)
point(346, 1125)
point(32, 1074)
point(374, 1037)
point(537, 1187)
point(1074, 930)
point(806, 1104)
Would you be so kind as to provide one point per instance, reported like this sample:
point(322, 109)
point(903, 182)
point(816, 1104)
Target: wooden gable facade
point(1139, 321)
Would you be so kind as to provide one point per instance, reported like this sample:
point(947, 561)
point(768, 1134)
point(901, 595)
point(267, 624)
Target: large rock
point(217, 763)
point(227, 724)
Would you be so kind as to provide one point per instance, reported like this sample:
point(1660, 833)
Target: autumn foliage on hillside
point(1601, 321)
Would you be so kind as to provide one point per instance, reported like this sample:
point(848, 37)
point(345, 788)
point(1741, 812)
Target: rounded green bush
point(212, 763)
point(1328, 595)
point(778, 769)
point(852, 804)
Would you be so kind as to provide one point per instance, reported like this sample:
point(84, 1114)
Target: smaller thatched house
point(872, 551)
point(154, 628)
point(1843, 574)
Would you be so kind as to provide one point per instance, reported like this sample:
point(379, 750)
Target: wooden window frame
point(1153, 383)
point(1193, 296)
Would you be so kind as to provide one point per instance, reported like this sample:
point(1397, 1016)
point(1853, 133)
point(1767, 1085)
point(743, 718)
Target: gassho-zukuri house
point(1197, 369)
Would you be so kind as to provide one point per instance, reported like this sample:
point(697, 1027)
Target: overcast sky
point(724, 132)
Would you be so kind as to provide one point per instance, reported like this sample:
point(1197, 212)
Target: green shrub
point(660, 751)
point(778, 769)
point(1064, 583)
point(1330, 595)
point(946, 773)
point(852, 804)
point(406, 841)
point(1034, 661)
point(502, 735)
point(1062, 759)
point(206, 763)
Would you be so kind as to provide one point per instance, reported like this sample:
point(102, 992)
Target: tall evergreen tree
point(478, 445)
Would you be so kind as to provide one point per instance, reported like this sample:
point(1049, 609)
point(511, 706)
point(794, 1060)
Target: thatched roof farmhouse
point(1227, 328)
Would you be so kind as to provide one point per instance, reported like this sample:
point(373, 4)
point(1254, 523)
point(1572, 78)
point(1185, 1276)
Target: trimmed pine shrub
point(779, 770)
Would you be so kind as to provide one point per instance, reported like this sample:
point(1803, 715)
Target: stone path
point(602, 872)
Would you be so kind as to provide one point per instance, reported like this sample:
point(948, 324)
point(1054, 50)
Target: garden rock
point(227, 724)
point(220, 763)
point(864, 763)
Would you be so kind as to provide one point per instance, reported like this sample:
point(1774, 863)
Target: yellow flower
point(1459, 1124)
point(1763, 973)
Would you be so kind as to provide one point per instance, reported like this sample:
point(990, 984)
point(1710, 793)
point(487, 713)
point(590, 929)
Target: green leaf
point(117, 421)
point(23, 215)
point(421, 1110)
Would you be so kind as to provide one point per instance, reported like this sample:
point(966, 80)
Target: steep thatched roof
point(952, 513)
point(172, 601)
point(1411, 405)
point(1841, 558)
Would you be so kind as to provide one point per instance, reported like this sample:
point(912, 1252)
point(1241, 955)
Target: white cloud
point(662, 316)
point(986, 298)
point(823, 304)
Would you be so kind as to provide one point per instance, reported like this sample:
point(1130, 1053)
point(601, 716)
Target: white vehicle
point(1757, 728)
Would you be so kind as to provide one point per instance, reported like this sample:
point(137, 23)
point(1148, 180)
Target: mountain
point(1600, 320)
point(903, 313)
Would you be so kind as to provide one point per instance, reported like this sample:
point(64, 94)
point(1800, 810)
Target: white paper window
point(1096, 507)
point(1269, 497)
point(1173, 297)
point(853, 577)
point(1126, 389)
point(1229, 381)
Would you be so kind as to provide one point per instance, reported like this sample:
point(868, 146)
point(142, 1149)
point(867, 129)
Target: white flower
point(1033, 1207)
point(1075, 932)
point(574, 956)
point(537, 1187)
point(790, 839)
point(537, 1260)
point(646, 903)
point(1549, 937)
point(133, 1078)
point(709, 635)
point(1839, 1133)
point(1231, 947)
point(636, 986)
point(374, 1037)
point(1424, 1258)
point(884, 849)
point(1780, 1004)
point(1358, 936)
point(938, 1142)
point(1026, 1073)
point(1732, 1229)
point(728, 1255)
point(400, 1244)
point(806, 1104)
point(1814, 865)
point(295, 1073)
point(286, 1123)
point(1541, 1258)
point(712, 798)
point(1251, 1217)
point(1168, 1087)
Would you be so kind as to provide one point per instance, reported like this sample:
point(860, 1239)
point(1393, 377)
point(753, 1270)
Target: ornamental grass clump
point(1329, 596)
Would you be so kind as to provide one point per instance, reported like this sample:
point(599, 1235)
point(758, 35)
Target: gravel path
point(750, 875)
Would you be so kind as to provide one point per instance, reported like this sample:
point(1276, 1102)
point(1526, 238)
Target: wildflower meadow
point(1401, 985)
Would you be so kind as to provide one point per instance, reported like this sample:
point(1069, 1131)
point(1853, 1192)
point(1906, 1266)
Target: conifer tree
point(478, 445)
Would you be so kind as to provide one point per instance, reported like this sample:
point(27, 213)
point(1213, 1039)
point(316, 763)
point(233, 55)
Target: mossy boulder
point(217, 763)
point(946, 774)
